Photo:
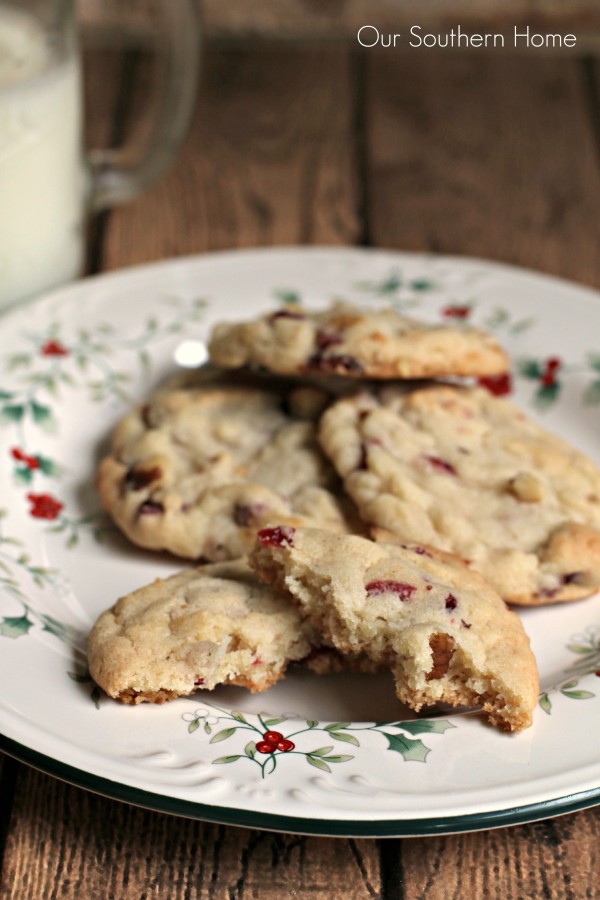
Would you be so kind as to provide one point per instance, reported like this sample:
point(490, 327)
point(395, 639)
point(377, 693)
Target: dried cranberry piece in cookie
point(280, 536)
point(401, 588)
point(442, 465)
point(333, 363)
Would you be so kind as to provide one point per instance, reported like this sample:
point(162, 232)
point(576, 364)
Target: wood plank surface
point(269, 160)
point(313, 146)
point(469, 154)
point(341, 19)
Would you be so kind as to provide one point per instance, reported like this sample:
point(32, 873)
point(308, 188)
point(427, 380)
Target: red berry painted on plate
point(44, 506)
point(32, 462)
point(53, 348)
point(285, 745)
point(403, 590)
point(272, 737)
point(456, 311)
point(265, 747)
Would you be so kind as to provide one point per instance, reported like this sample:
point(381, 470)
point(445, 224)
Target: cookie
point(198, 468)
point(202, 627)
point(356, 343)
point(444, 632)
point(461, 470)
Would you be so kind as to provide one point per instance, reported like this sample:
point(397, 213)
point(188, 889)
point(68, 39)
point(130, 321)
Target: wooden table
point(486, 155)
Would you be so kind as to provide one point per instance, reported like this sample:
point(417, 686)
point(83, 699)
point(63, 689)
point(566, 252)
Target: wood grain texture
point(336, 19)
point(551, 859)
point(269, 160)
point(342, 18)
point(471, 155)
point(68, 843)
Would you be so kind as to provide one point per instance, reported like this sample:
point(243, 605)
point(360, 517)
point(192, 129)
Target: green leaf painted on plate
point(23, 475)
point(425, 726)
point(343, 736)
point(339, 758)
point(317, 762)
point(12, 412)
point(80, 677)
point(270, 722)
point(222, 735)
point(207, 728)
point(546, 395)
point(569, 684)
point(422, 284)
point(578, 695)
point(391, 284)
point(194, 726)
point(545, 703)
point(337, 726)
point(235, 714)
point(322, 751)
point(42, 415)
point(311, 723)
point(579, 648)
point(250, 749)
point(412, 751)
point(288, 297)
point(521, 325)
point(591, 395)
point(47, 466)
point(529, 368)
point(223, 760)
point(15, 626)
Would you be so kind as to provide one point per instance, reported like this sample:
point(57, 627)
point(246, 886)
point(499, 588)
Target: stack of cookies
point(342, 510)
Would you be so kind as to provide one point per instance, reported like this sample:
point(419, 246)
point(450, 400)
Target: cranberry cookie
point(197, 469)
point(444, 632)
point(353, 342)
point(469, 473)
point(205, 626)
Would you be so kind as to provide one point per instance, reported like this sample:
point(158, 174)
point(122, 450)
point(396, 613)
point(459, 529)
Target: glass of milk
point(47, 184)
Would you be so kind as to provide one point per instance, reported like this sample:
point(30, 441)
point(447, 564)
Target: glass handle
point(116, 175)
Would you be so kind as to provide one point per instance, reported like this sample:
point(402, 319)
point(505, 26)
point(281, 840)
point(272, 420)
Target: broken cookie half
point(205, 626)
point(444, 632)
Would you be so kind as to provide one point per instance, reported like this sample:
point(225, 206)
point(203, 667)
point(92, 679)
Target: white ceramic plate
point(70, 364)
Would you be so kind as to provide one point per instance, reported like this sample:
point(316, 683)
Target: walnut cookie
point(461, 470)
point(445, 634)
point(356, 343)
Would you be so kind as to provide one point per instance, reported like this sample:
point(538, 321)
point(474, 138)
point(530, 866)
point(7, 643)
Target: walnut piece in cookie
point(467, 472)
point(443, 631)
point(202, 627)
point(356, 343)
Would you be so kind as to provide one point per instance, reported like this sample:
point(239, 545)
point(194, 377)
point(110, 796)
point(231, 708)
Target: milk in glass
point(42, 183)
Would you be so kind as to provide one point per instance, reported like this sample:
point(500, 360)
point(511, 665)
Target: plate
point(361, 765)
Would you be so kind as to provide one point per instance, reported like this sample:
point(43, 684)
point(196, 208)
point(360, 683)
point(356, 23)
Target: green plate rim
point(223, 815)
